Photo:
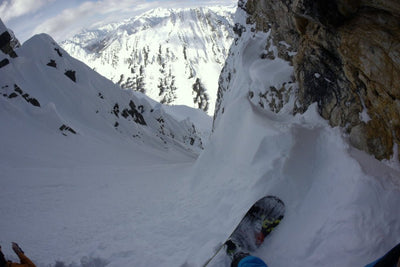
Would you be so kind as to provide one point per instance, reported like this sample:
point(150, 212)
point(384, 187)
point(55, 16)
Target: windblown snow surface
point(100, 199)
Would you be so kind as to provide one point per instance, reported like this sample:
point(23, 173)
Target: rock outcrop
point(8, 42)
point(347, 60)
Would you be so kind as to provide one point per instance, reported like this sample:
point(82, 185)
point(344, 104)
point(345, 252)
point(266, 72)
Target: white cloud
point(70, 21)
point(15, 8)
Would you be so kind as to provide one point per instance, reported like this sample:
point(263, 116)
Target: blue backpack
point(251, 261)
point(390, 259)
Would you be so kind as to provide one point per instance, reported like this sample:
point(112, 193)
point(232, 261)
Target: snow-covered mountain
point(81, 185)
point(172, 55)
point(44, 82)
point(63, 124)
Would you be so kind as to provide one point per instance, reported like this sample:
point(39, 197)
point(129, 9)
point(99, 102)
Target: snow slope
point(163, 53)
point(98, 198)
point(80, 156)
point(342, 205)
point(67, 92)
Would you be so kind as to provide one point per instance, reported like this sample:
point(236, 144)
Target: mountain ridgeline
point(172, 55)
point(60, 94)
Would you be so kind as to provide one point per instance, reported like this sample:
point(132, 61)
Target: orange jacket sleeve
point(25, 261)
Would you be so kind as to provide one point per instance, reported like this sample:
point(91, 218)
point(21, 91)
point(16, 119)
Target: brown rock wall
point(348, 61)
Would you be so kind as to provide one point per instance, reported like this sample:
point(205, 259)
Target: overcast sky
point(62, 18)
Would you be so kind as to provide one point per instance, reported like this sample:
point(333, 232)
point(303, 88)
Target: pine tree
point(201, 97)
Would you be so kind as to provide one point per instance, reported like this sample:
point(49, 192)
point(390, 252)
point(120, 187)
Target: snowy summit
point(174, 56)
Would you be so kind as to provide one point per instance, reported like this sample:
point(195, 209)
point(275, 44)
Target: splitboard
point(256, 224)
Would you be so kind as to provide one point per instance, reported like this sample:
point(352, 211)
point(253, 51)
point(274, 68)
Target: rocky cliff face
point(8, 42)
point(346, 57)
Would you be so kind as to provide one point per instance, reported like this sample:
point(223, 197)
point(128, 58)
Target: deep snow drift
point(104, 197)
point(342, 205)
